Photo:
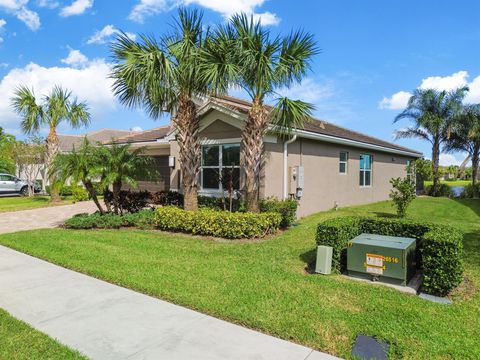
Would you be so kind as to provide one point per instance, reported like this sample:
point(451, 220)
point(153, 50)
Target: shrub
point(129, 201)
point(66, 190)
point(144, 219)
point(286, 208)
point(402, 194)
point(94, 221)
point(167, 198)
point(439, 248)
point(222, 224)
point(443, 191)
point(218, 203)
point(79, 194)
point(468, 191)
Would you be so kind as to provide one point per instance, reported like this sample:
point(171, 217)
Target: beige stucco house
point(322, 165)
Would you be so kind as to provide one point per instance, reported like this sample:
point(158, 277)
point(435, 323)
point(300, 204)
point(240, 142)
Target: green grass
point(20, 341)
point(17, 203)
point(263, 285)
point(451, 182)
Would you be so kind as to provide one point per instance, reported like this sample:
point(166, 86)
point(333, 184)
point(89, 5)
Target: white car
point(10, 184)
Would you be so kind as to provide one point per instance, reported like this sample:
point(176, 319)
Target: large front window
point(220, 167)
point(365, 170)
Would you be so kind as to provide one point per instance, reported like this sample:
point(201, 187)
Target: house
point(66, 143)
point(322, 165)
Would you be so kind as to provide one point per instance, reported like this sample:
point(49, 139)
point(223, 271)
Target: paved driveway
point(40, 218)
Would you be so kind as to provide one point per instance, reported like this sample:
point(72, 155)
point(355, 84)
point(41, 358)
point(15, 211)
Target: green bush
point(439, 248)
point(286, 208)
point(222, 224)
point(443, 191)
point(218, 203)
point(79, 194)
point(144, 219)
point(402, 194)
point(468, 191)
point(95, 221)
point(66, 190)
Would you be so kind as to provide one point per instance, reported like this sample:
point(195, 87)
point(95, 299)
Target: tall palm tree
point(465, 136)
point(164, 76)
point(260, 64)
point(433, 113)
point(56, 107)
point(80, 166)
point(119, 164)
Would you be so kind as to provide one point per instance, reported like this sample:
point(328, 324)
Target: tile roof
point(317, 126)
point(67, 142)
point(144, 136)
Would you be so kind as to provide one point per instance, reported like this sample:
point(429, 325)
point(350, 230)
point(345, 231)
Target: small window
point(343, 163)
point(220, 167)
point(409, 169)
point(365, 170)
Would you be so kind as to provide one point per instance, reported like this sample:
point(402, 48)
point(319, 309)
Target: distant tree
point(80, 165)
point(7, 143)
point(120, 164)
point(56, 107)
point(465, 136)
point(452, 170)
point(423, 168)
point(29, 156)
point(433, 113)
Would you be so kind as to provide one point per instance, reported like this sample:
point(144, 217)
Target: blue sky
point(373, 53)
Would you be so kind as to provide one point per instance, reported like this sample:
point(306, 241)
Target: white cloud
point(22, 13)
point(102, 36)
point(308, 90)
point(78, 7)
point(90, 83)
point(2, 24)
point(75, 58)
point(226, 8)
point(136, 129)
point(399, 100)
point(49, 4)
point(450, 159)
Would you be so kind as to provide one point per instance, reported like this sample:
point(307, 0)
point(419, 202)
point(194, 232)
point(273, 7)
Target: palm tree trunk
point(475, 161)
point(93, 194)
point(435, 165)
point(52, 150)
point(187, 127)
point(252, 152)
point(116, 188)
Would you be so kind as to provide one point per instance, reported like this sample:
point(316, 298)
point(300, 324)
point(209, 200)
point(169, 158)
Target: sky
point(374, 53)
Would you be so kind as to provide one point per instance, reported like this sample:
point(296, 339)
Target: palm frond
point(289, 115)
point(24, 104)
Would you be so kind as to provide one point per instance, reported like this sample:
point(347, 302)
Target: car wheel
point(24, 191)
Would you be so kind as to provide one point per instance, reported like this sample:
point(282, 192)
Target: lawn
point(20, 341)
point(451, 182)
point(16, 203)
point(263, 285)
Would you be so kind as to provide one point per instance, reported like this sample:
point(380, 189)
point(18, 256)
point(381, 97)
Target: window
point(409, 169)
point(220, 166)
point(365, 170)
point(343, 162)
point(6, 178)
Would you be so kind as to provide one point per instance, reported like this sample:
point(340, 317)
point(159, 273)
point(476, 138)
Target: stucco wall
point(324, 185)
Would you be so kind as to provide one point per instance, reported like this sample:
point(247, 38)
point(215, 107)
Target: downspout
point(285, 165)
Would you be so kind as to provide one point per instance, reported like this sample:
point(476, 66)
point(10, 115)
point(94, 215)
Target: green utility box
point(384, 258)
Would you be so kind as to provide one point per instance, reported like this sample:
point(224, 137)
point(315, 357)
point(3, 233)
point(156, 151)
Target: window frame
point(343, 162)
point(218, 167)
point(364, 170)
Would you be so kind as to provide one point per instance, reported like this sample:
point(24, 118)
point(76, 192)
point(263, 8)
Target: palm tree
point(80, 166)
point(119, 164)
point(259, 64)
point(433, 113)
point(465, 136)
point(163, 77)
point(56, 107)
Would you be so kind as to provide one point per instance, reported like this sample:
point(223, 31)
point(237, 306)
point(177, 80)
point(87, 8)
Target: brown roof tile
point(144, 136)
point(67, 142)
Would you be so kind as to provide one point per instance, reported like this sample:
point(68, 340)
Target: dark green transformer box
point(388, 259)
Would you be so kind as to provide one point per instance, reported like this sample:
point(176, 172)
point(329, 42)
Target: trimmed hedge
point(286, 208)
point(439, 248)
point(222, 224)
point(143, 219)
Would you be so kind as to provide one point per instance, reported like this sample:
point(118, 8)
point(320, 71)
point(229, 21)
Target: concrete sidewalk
point(104, 321)
point(41, 218)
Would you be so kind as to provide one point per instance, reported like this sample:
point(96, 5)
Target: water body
point(457, 190)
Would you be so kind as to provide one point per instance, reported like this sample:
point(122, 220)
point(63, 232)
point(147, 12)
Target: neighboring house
point(66, 143)
point(322, 165)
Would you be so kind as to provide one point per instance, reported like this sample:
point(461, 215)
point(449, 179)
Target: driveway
point(41, 218)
